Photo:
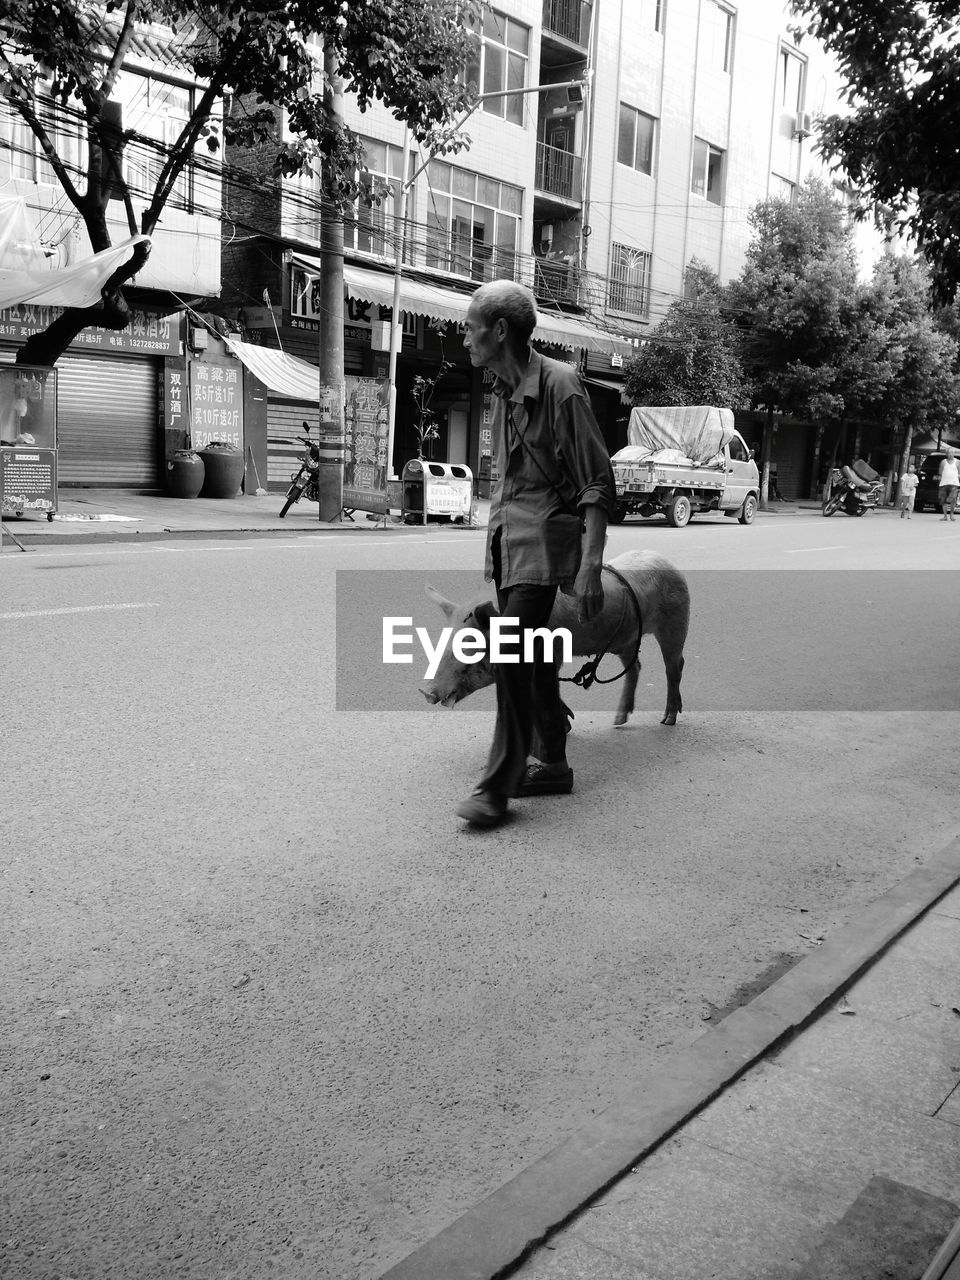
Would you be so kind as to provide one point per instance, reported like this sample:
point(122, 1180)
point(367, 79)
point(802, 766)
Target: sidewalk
point(115, 515)
point(814, 1134)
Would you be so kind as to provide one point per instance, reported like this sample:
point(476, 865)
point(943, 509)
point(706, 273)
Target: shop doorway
point(458, 433)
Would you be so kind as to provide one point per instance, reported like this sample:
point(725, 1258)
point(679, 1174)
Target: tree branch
point(120, 49)
point(181, 151)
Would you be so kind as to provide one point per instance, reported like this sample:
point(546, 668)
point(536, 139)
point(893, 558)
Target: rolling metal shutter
point(285, 420)
point(109, 432)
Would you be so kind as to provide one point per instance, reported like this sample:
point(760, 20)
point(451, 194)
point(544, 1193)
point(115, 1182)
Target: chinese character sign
point(216, 402)
point(366, 430)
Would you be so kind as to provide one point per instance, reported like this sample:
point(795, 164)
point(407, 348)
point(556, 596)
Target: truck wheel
point(748, 510)
point(679, 510)
point(619, 513)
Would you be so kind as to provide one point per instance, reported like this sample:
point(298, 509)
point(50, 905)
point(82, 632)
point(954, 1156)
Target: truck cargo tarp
point(697, 432)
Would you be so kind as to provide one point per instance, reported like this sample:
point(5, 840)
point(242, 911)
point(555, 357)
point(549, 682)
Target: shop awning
point(284, 375)
point(417, 297)
point(608, 384)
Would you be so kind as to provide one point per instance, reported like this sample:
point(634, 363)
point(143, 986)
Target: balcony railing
point(556, 281)
point(558, 172)
point(567, 18)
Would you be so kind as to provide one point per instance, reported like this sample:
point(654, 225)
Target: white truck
point(683, 460)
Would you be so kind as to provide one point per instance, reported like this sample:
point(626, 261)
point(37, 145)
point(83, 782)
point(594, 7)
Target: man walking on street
point(948, 482)
point(547, 526)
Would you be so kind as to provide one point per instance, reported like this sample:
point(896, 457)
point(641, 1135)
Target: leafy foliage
point(812, 344)
point(898, 145)
point(925, 391)
point(693, 354)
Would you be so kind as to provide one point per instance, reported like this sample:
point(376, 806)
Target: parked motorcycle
point(306, 480)
point(852, 493)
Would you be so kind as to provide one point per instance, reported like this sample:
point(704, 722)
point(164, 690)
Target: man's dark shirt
point(553, 463)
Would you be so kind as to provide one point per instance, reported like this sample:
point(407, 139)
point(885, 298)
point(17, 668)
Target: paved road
point(272, 1010)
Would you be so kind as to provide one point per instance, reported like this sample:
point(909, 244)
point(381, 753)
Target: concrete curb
point(499, 1232)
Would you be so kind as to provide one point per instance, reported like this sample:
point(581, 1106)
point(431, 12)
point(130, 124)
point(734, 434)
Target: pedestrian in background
point(546, 531)
point(949, 482)
point(908, 492)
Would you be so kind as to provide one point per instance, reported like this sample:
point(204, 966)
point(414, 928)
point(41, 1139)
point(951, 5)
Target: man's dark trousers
point(529, 708)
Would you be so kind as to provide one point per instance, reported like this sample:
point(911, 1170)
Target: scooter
point(851, 493)
point(305, 481)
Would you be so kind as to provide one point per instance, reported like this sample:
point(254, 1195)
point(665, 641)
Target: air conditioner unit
point(802, 125)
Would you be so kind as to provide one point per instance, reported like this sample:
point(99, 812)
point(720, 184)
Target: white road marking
point(802, 551)
point(77, 608)
point(88, 552)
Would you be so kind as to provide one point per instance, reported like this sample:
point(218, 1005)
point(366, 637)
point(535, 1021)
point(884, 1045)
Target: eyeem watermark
point(504, 643)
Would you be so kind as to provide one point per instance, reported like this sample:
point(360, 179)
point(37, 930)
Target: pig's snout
point(434, 695)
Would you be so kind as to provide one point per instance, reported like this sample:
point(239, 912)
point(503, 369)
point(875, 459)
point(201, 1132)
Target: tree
point(692, 357)
point(898, 146)
point(64, 56)
point(812, 345)
point(926, 390)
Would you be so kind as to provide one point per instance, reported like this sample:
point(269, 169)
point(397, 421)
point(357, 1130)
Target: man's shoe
point(547, 780)
point(483, 808)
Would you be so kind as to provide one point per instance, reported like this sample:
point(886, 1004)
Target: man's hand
point(588, 592)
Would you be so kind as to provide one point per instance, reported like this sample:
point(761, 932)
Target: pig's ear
point(482, 613)
point(439, 598)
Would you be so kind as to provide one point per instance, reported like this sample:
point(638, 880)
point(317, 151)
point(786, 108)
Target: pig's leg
point(631, 666)
point(673, 661)
point(671, 633)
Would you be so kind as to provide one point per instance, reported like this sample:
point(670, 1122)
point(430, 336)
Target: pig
point(659, 589)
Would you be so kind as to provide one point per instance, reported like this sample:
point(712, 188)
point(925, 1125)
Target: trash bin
point(445, 488)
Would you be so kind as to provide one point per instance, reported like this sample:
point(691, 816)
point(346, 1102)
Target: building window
point(707, 179)
point(658, 8)
point(498, 63)
point(629, 285)
point(156, 113)
point(717, 36)
point(635, 141)
point(791, 81)
point(782, 188)
point(369, 224)
point(23, 153)
point(473, 223)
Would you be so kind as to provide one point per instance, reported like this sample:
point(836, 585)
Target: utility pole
point(332, 391)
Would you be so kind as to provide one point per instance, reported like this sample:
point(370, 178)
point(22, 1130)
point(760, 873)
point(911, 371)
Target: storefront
point(432, 316)
point(109, 432)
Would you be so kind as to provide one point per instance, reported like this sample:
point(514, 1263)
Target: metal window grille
point(629, 287)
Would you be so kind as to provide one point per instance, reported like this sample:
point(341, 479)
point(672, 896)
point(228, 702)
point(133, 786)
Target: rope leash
point(587, 675)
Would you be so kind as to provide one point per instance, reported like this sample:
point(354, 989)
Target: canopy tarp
point(697, 432)
point(28, 275)
point(284, 375)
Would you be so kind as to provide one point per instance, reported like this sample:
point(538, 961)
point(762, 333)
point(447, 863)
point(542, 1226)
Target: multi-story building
point(109, 383)
point(615, 141)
